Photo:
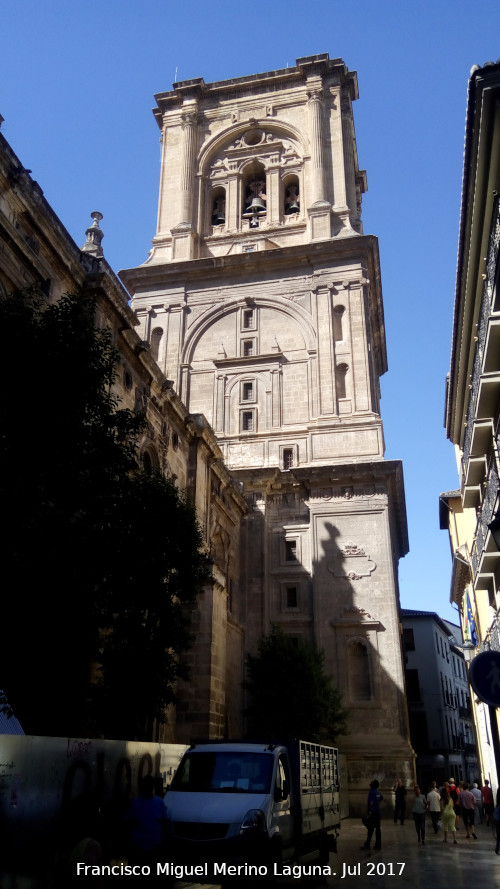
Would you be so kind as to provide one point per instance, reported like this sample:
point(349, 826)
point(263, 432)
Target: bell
point(218, 218)
point(292, 207)
point(256, 208)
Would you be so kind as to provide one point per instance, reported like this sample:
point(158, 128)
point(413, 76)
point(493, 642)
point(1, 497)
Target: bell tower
point(262, 300)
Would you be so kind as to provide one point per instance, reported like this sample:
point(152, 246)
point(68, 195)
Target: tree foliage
point(102, 558)
point(291, 696)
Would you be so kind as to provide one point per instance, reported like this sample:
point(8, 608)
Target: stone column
point(319, 208)
point(190, 132)
point(315, 106)
point(276, 398)
point(347, 139)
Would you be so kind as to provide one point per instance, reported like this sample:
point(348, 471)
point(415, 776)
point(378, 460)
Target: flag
point(471, 623)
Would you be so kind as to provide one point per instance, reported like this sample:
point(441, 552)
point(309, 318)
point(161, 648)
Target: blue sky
point(77, 82)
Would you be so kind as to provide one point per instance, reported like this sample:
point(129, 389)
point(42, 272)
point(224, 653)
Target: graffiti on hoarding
point(78, 748)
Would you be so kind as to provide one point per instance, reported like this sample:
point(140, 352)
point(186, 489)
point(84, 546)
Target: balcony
point(492, 345)
point(484, 397)
point(488, 395)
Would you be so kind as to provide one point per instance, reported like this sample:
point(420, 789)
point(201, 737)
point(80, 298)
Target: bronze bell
point(256, 208)
point(218, 218)
point(292, 207)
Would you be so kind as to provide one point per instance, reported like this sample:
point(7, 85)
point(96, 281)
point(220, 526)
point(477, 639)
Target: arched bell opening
point(341, 374)
point(218, 216)
point(254, 194)
point(291, 196)
point(156, 337)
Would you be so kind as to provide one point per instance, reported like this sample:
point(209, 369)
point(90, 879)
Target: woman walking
point(448, 816)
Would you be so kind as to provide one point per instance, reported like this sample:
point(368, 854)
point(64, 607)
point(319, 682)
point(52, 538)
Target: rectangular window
point(408, 639)
point(248, 319)
point(287, 458)
point(247, 392)
point(412, 686)
point(248, 348)
point(290, 550)
point(247, 421)
point(292, 599)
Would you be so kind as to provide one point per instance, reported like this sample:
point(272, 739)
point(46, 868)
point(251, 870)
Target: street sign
point(484, 676)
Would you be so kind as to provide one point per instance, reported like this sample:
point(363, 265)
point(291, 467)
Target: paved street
point(472, 864)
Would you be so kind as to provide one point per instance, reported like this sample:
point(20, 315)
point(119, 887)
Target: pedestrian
point(434, 803)
point(478, 811)
point(448, 813)
point(467, 805)
point(419, 809)
point(487, 798)
point(399, 801)
point(373, 820)
point(453, 790)
point(146, 819)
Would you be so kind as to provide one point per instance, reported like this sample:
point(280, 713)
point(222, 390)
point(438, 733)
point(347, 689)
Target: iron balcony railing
point(482, 328)
point(491, 641)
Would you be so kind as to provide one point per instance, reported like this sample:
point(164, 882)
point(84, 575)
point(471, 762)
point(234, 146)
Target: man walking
point(467, 805)
point(399, 801)
point(434, 803)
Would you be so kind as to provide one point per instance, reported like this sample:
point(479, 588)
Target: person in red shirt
point(487, 798)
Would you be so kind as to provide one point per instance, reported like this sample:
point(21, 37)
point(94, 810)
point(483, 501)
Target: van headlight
point(253, 822)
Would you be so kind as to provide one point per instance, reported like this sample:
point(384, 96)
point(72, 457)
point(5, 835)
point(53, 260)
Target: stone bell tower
point(262, 301)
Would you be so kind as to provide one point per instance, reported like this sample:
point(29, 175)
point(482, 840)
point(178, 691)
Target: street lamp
point(469, 650)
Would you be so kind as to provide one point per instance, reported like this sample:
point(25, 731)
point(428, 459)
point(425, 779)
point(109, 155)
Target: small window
point(292, 599)
point(247, 421)
point(413, 686)
point(287, 458)
point(248, 319)
point(247, 391)
point(338, 314)
point(156, 337)
point(248, 348)
point(408, 639)
point(290, 550)
point(340, 380)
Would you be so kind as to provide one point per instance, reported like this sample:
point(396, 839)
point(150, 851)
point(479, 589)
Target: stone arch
point(222, 140)
point(149, 458)
point(294, 311)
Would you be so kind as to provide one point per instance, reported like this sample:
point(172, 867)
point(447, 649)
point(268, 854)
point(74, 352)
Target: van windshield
point(209, 772)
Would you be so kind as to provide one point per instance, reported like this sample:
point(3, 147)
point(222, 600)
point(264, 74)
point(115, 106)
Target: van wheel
point(274, 862)
point(324, 849)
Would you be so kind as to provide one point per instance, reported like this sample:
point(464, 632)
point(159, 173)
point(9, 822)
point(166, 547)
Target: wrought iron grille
point(482, 328)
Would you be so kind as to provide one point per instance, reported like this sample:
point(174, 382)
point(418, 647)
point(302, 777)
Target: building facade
point(440, 711)
point(471, 514)
point(261, 299)
point(36, 249)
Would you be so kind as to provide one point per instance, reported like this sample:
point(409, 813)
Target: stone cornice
point(258, 84)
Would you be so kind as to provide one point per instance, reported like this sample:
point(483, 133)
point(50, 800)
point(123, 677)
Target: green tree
point(102, 559)
point(291, 696)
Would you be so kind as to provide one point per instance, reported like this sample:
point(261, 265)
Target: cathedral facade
point(261, 300)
